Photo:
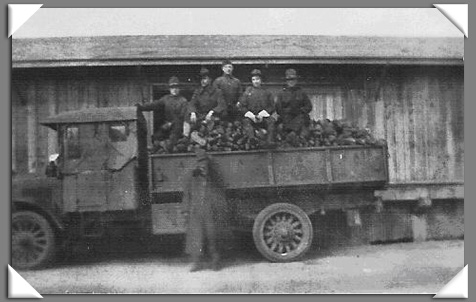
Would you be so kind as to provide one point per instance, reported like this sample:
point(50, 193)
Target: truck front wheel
point(282, 232)
point(33, 240)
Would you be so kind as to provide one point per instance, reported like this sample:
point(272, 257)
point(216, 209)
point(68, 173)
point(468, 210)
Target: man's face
point(174, 90)
point(227, 69)
point(256, 80)
point(291, 82)
point(205, 81)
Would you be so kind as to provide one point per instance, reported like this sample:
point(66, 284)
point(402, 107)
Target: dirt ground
point(410, 267)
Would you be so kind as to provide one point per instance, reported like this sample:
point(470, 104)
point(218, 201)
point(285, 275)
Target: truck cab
point(100, 179)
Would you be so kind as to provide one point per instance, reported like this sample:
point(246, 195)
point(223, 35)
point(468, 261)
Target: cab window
point(72, 145)
point(118, 132)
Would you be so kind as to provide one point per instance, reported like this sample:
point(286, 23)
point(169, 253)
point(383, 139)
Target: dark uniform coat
point(205, 99)
point(174, 110)
point(203, 199)
point(257, 99)
point(232, 91)
point(293, 106)
point(231, 88)
point(174, 107)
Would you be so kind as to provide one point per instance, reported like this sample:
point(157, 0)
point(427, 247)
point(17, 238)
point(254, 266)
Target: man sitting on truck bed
point(174, 107)
point(257, 105)
point(231, 88)
point(293, 107)
point(207, 103)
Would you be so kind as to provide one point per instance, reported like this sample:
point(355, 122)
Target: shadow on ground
point(331, 237)
point(170, 249)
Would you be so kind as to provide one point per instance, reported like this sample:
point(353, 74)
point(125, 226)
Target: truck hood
point(35, 188)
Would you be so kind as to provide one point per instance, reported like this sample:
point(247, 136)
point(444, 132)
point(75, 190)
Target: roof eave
point(214, 61)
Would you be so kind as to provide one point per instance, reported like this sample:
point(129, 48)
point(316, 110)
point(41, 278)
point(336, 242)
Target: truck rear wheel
point(33, 240)
point(282, 232)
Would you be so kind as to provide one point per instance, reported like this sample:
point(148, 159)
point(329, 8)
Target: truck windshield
point(99, 146)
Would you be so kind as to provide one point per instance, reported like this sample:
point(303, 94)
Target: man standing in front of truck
point(174, 107)
point(202, 200)
point(231, 88)
point(257, 105)
point(293, 107)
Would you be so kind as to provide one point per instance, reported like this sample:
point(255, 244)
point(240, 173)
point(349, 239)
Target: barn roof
point(92, 115)
point(211, 49)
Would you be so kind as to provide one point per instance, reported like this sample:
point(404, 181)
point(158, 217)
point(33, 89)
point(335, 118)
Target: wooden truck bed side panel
point(358, 165)
point(294, 167)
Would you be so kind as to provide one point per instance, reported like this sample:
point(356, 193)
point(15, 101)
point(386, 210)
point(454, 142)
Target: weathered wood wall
point(417, 109)
point(420, 112)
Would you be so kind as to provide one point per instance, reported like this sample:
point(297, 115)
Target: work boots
point(197, 265)
point(215, 264)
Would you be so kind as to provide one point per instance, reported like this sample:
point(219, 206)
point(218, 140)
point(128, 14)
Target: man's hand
point(186, 129)
point(209, 115)
point(166, 126)
point(193, 117)
point(251, 116)
point(263, 113)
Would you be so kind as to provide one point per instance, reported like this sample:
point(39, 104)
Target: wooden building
point(408, 91)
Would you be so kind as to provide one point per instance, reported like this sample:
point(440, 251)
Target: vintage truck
point(106, 179)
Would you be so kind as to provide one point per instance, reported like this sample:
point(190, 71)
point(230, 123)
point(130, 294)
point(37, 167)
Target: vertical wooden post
point(329, 106)
point(14, 130)
point(379, 111)
point(338, 108)
point(31, 126)
point(450, 142)
point(52, 134)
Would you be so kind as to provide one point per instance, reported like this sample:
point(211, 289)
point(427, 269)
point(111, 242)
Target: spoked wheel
point(282, 232)
point(33, 240)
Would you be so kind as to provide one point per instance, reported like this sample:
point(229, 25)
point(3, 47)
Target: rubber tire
point(33, 224)
point(263, 219)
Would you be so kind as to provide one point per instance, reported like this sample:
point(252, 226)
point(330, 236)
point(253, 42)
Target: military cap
point(204, 72)
point(226, 62)
point(256, 72)
point(173, 81)
point(290, 74)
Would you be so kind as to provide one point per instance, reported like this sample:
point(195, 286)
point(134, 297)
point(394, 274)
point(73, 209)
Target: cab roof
point(92, 115)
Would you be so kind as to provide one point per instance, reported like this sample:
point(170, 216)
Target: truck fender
point(22, 205)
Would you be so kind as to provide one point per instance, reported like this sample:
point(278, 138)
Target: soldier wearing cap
point(257, 106)
point(174, 108)
point(293, 107)
point(203, 195)
point(231, 88)
point(207, 101)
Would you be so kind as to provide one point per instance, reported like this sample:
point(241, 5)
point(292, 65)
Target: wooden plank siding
point(41, 93)
point(417, 109)
point(42, 140)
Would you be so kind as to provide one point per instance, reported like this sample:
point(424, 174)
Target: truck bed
point(329, 166)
